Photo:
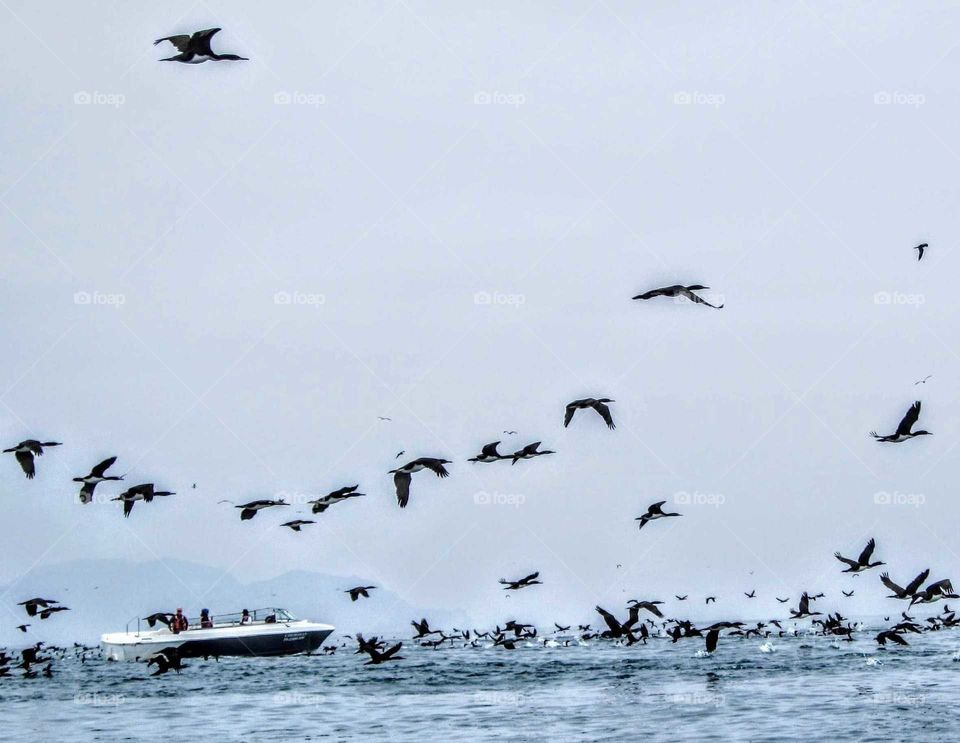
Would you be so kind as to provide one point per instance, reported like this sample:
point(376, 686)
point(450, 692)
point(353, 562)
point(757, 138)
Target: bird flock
point(635, 629)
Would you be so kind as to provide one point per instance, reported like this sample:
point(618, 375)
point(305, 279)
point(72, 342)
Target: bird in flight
point(377, 657)
point(97, 475)
point(509, 433)
point(249, 510)
point(678, 290)
point(403, 475)
point(862, 562)
point(922, 381)
point(145, 492)
point(358, 591)
point(848, 595)
point(529, 452)
point(516, 585)
point(600, 405)
point(709, 599)
point(383, 418)
point(488, 453)
point(681, 598)
point(25, 451)
point(751, 595)
point(195, 48)
point(920, 248)
point(654, 512)
point(905, 429)
point(322, 504)
point(297, 523)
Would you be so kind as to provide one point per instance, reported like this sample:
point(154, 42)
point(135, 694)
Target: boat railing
point(266, 615)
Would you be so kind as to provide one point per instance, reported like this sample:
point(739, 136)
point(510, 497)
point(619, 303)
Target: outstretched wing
point(490, 450)
point(568, 416)
point(343, 491)
point(611, 620)
point(402, 482)
point(713, 636)
point(181, 41)
point(25, 459)
point(915, 584)
point(909, 419)
point(201, 41)
point(434, 465)
point(604, 413)
point(656, 507)
point(847, 560)
point(101, 468)
point(867, 552)
point(885, 579)
point(532, 576)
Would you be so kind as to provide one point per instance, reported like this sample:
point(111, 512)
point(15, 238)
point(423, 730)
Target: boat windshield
point(269, 615)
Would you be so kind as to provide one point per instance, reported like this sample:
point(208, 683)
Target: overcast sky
point(438, 213)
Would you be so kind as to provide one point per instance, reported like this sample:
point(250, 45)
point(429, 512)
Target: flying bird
point(653, 513)
point(322, 504)
point(516, 585)
point(709, 599)
point(402, 475)
point(862, 562)
point(920, 248)
point(31, 605)
point(598, 404)
point(96, 476)
point(297, 523)
point(249, 510)
point(529, 452)
point(195, 48)
point(25, 451)
point(377, 657)
point(488, 453)
point(358, 591)
point(904, 430)
point(922, 381)
point(848, 595)
point(751, 595)
point(678, 290)
point(145, 492)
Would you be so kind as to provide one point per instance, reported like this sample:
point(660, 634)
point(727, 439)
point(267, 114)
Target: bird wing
point(402, 482)
point(867, 552)
point(201, 41)
point(568, 416)
point(611, 620)
point(604, 412)
point(896, 638)
point(391, 651)
point(490, 450)
point(127, 506)
point(532, 576)
point(343, 491)
point(885, 579)
point(847, 560)
point(651, 294)
point(180, 41)
point(101, 468)
point(916, 582)
point(909, 419)
point(713, 636)
point(434, 465)
point(694, 298)
point(804, 605)
point(25, 459)
point(656, 507)
point(247, 513)
point(86, 492)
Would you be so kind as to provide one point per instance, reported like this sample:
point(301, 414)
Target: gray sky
point(555, 158)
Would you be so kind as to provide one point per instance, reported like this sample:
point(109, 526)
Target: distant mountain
point(104, 595)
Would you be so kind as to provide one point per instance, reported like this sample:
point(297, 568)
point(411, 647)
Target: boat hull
point(259, 641)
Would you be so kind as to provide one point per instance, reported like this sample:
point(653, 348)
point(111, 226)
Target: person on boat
point(245, 618)
point(179, 622)
point(205, 621)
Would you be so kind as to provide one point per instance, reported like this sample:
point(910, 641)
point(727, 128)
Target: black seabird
point(861, 563)
point(25, 452)
point(31, 605)
point(97, 475)
point(598, 404)
point(680, 598)
point(297, 523)
point(678, 290)
point(249, 510)
point(423, 628)
point(920, 248)
point(516, 585)
point(358, 591)
point(941, 589)
point(488, 453)
point(804, 609)
point(402, 475)
point(145, 492)
point(848, 595)
point(322, 504)
point(653, 513)
point(904, 593)
point(650, 606)
point(377, 657)
point(751, 595)
point(195, 48)
point(529, 452)
point(904, 431)
point(709, 599)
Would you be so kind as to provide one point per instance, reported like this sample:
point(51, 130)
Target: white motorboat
point(266, 632)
